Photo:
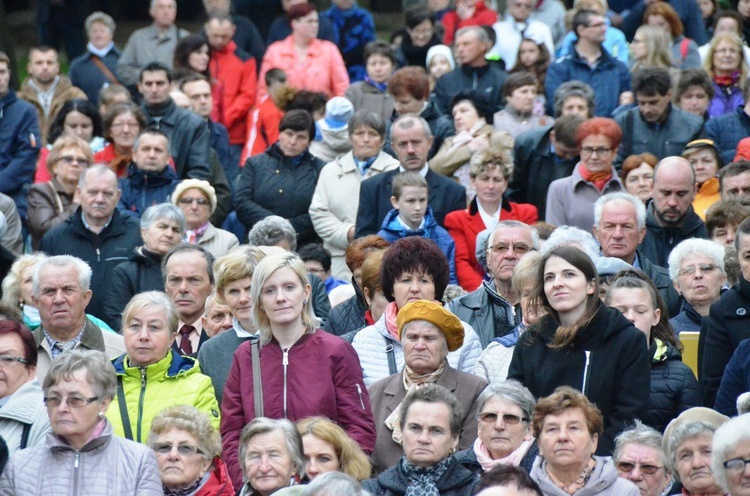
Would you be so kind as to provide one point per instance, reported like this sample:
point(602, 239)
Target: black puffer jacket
point(660, 241)
point(346, 317)
point(487, 81)
point(674, 388)
point(272, 184)
point(456, 481)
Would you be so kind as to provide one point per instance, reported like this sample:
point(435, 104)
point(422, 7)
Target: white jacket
point(370, 344)
point(494, 362)
point(25, 406)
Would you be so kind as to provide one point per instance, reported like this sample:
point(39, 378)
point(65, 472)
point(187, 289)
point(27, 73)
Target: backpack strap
point(257, 383)
point(391, 357)
point(25, 436)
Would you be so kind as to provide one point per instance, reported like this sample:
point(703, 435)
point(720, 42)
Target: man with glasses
point(491, 309)
point(517, 25)
point(639, 458)
point(655, 125)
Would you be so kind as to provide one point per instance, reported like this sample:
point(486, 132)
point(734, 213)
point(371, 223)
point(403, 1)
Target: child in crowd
point(411, 216)
point(331, 132)
point(318, 262)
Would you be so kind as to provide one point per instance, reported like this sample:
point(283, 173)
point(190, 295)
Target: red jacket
point(235, 71)
point(324, 377)
point(464, 225)
point(218, 484)
point(483, 16)
point(262, 128)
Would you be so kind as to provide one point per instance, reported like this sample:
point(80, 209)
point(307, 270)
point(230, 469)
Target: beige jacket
point(218, 241)
point(63, 92)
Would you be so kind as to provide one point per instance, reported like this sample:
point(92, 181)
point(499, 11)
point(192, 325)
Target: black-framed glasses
point(502, 248)
point(646, 469)
point(508, 418)
point(704, 268)
point(6, 360)
point(72, 401)
point(735, 464)
point(183, 449)
point(601, 151)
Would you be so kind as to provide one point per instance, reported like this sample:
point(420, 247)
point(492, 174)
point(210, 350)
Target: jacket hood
point(392, 225)
point(55, 443)
point(140, 178)
point(170, 366)
point(337, 139)
point(145, 257)
point(23, 405)
point(660, 352)
point(602, 477)
point(692, 221)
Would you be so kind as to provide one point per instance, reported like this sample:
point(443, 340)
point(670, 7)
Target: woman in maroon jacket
point(304, 371)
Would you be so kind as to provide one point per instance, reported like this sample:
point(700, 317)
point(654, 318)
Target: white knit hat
point(440, 50)
point(200, 184)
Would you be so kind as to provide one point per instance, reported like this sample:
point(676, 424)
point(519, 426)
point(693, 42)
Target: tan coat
point(65, 91)
point(448, 160)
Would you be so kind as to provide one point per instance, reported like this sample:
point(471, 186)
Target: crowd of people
point(506, 249)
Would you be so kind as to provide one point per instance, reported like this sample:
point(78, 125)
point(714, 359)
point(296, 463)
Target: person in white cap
point(331, 133)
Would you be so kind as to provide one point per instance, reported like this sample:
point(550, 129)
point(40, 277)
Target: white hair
point(640, 208)
point(694, 246)
point(569, 235)
point(82, 269)
point(727, 437)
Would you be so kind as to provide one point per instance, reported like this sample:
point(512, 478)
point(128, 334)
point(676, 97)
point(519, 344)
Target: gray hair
point(101, 18)
point(508, 224)
point(572, 89)
point(97, 169)
point(82, 269)
point(337, 483)
point(727, 437)
point(568, 235)
point(165, 211)
point(685, 432)
point(191, 420)
point(366, 118)
point(406, 121)
point(263, 425)
point(695, 246)
point(186, 248)
point(640, 208)
point(512, 391)
point(641, 434)
point(271, 231)
point(156, 299)
point(480, 33)
point(100, 372)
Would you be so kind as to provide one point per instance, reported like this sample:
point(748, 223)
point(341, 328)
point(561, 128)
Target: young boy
point(411, 216)
point(318, 261)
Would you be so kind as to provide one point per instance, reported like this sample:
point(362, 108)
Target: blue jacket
point(614, 42)
point(141, 190)
point(19, 148)
point(726, 100)
point(736, 380)
point(609, 78)
point(220, 144)
point(87, 76)
point(689, 13)
point(727, 131)
point(354, 29)
point(392, 230)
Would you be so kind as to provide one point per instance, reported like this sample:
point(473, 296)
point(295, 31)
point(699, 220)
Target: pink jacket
point(322, 70)
point(323, 377)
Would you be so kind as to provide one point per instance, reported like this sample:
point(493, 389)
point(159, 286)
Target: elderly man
point(97, 68)
point(670, 218)
point(153, 43)
point(188, 281)
point(216, 317)
point(639, 458)
point(96, 232)
point(411, 140)
point(490, 309)
point(517, 25)
point(60, 291)
point(734, 180)
point(619, 227)
point(474, 72)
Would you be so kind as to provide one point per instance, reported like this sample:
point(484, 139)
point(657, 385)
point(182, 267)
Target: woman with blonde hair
point(650, 48)
point(328, 449)
point(278, 382)
point(728, 68)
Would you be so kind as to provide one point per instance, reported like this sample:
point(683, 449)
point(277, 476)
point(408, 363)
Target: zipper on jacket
point(285, 363)
point(98, 255)
point(361, 401)
point(140, 403)
point(76, 473)
point(586, 371)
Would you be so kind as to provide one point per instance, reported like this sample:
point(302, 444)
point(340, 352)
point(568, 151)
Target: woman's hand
point(478, 144)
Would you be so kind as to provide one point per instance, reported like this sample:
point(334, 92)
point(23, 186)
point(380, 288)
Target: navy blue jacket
point(736, 380)
point(19, 148)
point(727, 131)
point(87, 76)
point(609, 78)
point(220, 144)
point(689, 13)
point(141, 189)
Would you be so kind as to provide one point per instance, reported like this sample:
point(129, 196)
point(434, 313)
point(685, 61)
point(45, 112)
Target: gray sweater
point(215, 358)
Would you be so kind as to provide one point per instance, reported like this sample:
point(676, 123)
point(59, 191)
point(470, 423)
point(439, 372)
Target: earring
point(101, 414)
point(305, 301)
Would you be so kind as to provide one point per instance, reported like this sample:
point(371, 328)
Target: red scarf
point(598, 179)
point(727, 81)
point(368, 318)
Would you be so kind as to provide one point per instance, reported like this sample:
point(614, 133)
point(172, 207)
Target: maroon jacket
point(324, 377)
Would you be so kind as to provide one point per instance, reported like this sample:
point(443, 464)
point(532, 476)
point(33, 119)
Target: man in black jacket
point(411, 140)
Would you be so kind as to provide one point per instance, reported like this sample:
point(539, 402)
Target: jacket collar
point(23, 405)
point(91, 337)
point(170, 366)
point(578, 179)
point(57, 444)
point(474, 209)
point(382, 163)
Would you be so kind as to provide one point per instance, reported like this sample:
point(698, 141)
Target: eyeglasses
point(519, 249)
point(70, 160)
point(690, 269)
point(121, 125)
point(600, 151)
point(72, 401)
point(189, 201)
point(727, 51)
point(7, 360)
point(646, 469)
point(735, 464)
point(183, 449)
point(508, 418)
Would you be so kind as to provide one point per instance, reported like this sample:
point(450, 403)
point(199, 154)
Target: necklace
point(580, 482)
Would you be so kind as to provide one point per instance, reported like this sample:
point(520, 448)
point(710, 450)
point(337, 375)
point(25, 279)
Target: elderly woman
point(281, 181)
point(329, 449)
point(474, 133)
point(23, 420)
point(704, 157)
point(489, 172)
point(97, 68)
point(427, 332)
point(151, 374)
point(372, 93)
point(333, 209)
point(197, 200)
point(726, 65)
point(430, 420)
point(637, 175)
point(187, 450)
point(583, 344)
point(52, 202)
point(290, 346)
point(271, 456)
point(521, 91)
point(309, 63)
point(81, 455)
point(568, 428)
point(504, 411)
point(731, 454)
point(17, 285)
point(688, 443)
point(639, 458)
point(123, 123)
point(696, 267)
point(694, 92)
point(162, 227)
point(413, 269)
point(570, 200)
point(684, 50)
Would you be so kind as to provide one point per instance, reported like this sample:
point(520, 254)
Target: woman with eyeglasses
point(570, 200)
point(731, 456)
point(82, 455)
point(123, 123)
point(725, 62)
point(188, 450)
